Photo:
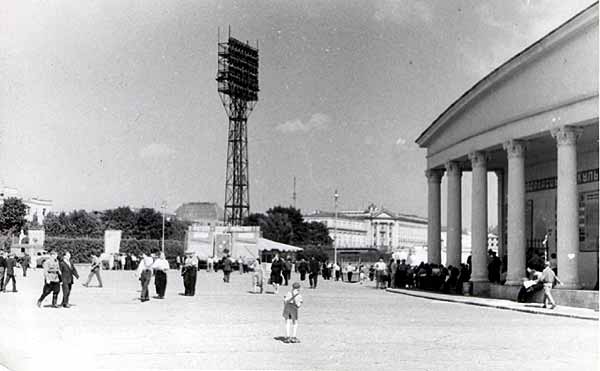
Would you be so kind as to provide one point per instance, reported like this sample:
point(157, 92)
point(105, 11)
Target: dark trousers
point(50, 287)
point(349, 276)
point(312, 279)
point(302, 276)
point(10, 277)
point(66, 289)
point(286, 276)
point(145, 281)
point(189, 282)
point(337, 275)
point(25, 266)
point(160, 283)
point(226, 275)
point(2, 278)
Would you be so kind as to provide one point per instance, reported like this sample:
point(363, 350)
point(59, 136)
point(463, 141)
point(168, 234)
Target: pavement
point(342, 326)
point(534, 308)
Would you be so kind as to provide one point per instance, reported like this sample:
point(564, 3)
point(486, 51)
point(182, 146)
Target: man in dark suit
point(67, 272)
point(313, 276)
point(2, 268)
point(11, 263)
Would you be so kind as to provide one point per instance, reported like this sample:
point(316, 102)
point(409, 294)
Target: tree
point(122, 218)
point(12, 216)
point(286, 225)
point(175, 229)
point(148, 224)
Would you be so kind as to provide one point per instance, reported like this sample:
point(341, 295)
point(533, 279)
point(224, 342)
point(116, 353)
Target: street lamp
point(163, 206)
point(335, 199)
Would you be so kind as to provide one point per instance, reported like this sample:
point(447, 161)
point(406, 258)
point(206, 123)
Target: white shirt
point(161, 264)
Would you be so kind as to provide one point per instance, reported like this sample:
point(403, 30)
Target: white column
point(479, 217)
point(500, 228)
point(454, 215)
point(516, 212)
point(434, 216)
point(567, 228)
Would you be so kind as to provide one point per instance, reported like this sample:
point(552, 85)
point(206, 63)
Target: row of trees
point(141, 224)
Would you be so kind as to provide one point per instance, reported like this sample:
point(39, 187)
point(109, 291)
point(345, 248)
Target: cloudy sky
point(109, 103)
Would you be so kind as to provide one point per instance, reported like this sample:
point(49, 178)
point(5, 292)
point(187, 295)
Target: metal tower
point(237, 84)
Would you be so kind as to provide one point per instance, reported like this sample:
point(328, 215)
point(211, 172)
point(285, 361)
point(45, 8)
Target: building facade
point(37, 208)
point(534, 122)
point(373, 228)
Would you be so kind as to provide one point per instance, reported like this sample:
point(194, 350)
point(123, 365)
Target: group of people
point(58, 273)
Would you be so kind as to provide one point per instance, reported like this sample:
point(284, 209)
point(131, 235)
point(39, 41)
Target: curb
point(496, 306)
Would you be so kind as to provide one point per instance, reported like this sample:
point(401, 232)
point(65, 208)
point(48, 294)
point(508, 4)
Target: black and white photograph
point(299, 185)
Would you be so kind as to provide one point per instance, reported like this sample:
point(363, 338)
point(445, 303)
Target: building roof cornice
point(576, 24)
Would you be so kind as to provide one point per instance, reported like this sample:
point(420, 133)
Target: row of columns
point(567, 209)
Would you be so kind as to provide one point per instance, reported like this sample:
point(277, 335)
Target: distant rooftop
point(199, 212)
point(371, 212)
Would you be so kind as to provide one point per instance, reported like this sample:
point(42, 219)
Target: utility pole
point(335, 199)
point(163, 206)
point(294, 194)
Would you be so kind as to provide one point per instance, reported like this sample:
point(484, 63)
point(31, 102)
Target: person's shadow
point(280, 338)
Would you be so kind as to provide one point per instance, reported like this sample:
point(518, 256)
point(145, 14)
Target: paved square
point(342, 326)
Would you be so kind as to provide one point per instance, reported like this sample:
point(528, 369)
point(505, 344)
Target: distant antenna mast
point(294, 194)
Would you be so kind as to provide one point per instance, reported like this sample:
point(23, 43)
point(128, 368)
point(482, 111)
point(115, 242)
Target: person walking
point(160, 268)
point(313, 276)
point(287, 270)
point(95, 271)
point(240, 262)
point(189, 273)
point(210, 263)
point(67, 272)
point(2, 268)
point(11, 263)
point(291, 303)
point(226, 264)
point(302, 269)
point(548, 278)
point(257, 277)
point(51, 279)
point(276, 269)
point(380, 274)
point(144, 272)
point(25, 261)
point(350, 270)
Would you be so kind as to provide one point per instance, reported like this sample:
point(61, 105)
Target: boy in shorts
point(291, 302)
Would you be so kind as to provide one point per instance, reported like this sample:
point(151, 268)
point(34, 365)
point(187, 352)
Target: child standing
point(291, 302)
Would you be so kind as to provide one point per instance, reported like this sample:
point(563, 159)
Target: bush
point(81, 249)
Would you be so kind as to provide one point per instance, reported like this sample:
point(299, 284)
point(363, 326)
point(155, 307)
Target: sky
point(112, 103)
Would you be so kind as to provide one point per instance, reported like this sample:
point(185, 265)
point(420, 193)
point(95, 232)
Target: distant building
point(202, 213)
point(37, 208)
point(374, 229)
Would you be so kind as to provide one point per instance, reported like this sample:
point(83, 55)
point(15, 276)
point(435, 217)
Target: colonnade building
point(534, 122)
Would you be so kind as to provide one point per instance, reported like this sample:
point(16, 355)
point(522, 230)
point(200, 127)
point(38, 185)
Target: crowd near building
point(533, 122)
